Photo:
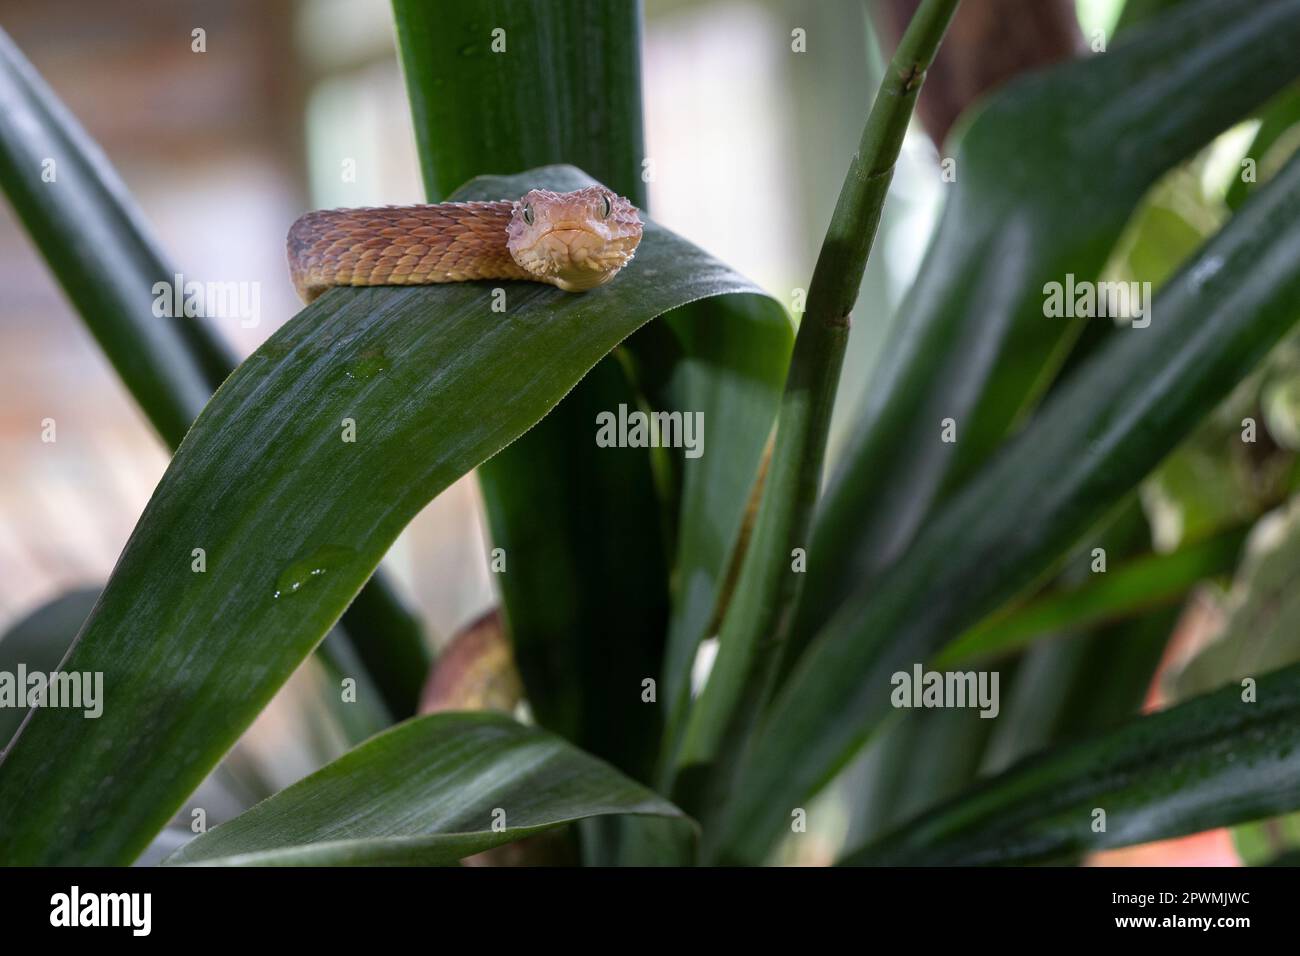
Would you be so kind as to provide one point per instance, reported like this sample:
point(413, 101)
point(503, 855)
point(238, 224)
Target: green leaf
point(97, 245)
point(566, 89)
point(1136, 13)
point(427, 792)
point(1078, 684)
point(1075, 684)
point(1090, 444)
point(1137, 584)
point(594, 548)
point(38, 642)
point(1214, 761)
point(730, 369)
point(1035, 199)
point(435, 382)
point(583, 651)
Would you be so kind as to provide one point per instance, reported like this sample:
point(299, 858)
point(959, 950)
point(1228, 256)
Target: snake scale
point(576, 241)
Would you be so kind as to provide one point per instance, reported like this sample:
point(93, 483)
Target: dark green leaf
point(592, 546)
point(435, 382)
point(1091, 443)
point(1036, 197)
point(1211, 762)
point(427, 792)
point(1137, 584)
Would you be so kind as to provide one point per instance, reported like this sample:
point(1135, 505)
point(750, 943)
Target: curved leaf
point(1214, 761)
point(427, 792)
point(294, 518)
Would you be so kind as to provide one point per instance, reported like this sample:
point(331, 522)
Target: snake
point(575, 241)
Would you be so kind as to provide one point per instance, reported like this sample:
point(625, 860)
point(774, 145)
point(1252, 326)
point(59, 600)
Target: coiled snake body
point(575, 241)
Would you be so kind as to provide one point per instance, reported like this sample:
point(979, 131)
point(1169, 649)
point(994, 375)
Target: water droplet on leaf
point(302, 572)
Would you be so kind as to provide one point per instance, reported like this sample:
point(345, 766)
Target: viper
point(575, 241)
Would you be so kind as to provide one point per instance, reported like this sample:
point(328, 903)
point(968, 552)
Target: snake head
point(576, 240)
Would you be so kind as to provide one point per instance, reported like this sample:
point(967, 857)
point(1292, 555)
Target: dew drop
point(367, 365)
point(302, 572)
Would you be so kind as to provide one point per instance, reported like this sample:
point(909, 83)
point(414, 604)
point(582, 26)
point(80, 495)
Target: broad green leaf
point(593, 546)
point(294, 518)
point(1137, 584)
point(925, 757)
point(565, 89)
point(581, 649)
point(1214, 761)
point(1088, 447)
point(427, 792)
point(37, 643)
point(1035, 200)
point(581, 527)
point(97, 245)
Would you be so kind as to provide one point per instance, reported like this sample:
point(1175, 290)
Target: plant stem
point(755, 625)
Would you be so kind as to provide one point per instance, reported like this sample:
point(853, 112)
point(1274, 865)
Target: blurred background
point(224, 148)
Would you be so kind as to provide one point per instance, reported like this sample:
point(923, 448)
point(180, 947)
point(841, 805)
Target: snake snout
point(574, 259)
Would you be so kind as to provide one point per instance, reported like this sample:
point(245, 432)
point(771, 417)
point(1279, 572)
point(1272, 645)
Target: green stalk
point(757, 621)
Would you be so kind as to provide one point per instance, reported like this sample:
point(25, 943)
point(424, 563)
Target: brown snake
point(575, 241)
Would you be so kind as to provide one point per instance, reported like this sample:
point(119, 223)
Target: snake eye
point(528, 213)
point(607, 208)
